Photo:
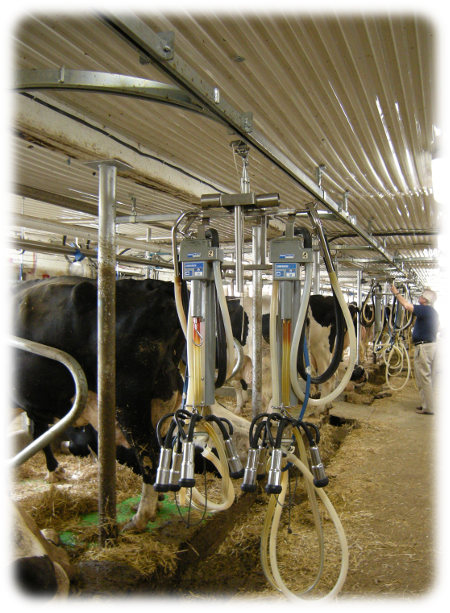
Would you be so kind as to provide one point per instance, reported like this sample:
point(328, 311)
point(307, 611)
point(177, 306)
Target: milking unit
point(275, 436)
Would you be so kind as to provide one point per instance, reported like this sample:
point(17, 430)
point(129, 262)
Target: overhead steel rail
point(105, 82)
point(159, 50)
point(55, 249)
point(195, 95)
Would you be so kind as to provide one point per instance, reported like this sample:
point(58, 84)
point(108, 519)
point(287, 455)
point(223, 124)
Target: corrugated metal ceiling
point(354, 93)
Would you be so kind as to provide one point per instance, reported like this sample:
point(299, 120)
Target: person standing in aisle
point(424, 339)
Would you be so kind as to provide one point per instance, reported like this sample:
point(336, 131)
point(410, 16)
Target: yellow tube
point(198, 344)
point(273, 345)
point(190, 354)
point(351, 361)
point(179, 305)
point(231, 358)
point(340, 531)
point(267, 532)
point(285, 363)
point(221, 463)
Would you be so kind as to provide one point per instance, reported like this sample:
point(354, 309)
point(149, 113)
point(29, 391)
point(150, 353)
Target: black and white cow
point(321, 321)
point(62, 312)
point(321, 328)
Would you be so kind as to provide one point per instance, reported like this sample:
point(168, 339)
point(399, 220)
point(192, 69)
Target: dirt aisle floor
point(381, 464)
point(391, 509)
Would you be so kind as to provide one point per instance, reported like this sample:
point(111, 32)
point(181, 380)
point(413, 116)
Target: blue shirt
point(427, 323)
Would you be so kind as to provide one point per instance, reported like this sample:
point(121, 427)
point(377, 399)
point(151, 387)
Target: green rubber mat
point(168, 510)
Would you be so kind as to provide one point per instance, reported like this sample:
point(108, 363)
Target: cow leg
point(139, 430)
point(239, 395)
point(55, 472)
point(147, 510)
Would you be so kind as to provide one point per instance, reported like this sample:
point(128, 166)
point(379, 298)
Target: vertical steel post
point(257, 233)
point(106, 351)
point(358, 303)
point(316, 268)
point(238, 237)
point(106, 369)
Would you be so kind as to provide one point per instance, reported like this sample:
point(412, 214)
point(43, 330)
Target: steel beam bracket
point(165, 48)
point(250, 200)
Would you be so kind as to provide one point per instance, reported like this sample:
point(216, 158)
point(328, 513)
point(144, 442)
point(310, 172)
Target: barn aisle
point(385, 477)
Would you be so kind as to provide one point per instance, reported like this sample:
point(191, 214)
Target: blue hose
point(308, 379)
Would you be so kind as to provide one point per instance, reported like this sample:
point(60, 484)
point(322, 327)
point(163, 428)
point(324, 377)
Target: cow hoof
point(65, 447)
point(131, 526)
point(56, 475)
point(52, 536)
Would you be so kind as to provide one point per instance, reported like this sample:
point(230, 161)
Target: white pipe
point(226, 318)
point(273, 502)
point(179, 304)
point(351, 361)
point(221, 464)
point(274, 346)
point(190, 360)
point(298, 331)
point(334, 517)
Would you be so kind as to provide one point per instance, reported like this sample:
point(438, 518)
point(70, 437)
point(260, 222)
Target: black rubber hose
point(256, 419)
point(307, 432)
point(276, 417)
point(307, 240)
point(218, 421)
point(195, 417)
point(310, 425)
point(221, 343)
point(229, 424)
point(180, 414)
point(254, 441)
point(338, 348)
point(159, 425)
point(221, 347)
point(281, 426)
point(213, 235)
point(362, 317)
point(169, 434)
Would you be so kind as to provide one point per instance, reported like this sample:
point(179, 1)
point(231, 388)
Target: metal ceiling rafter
point(162, 55)
point(105, 82)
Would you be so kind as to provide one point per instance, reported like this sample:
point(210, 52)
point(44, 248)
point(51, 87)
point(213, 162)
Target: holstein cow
point(321, 321)
point(321, 329)
point(62, 312)
point(241, 322)
point(83, 442)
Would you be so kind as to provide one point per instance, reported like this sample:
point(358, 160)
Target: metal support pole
point(106, 337)
point(257, 233)
point(316, 268)
point(238, 237)
point(359, 303)
point(106, 369)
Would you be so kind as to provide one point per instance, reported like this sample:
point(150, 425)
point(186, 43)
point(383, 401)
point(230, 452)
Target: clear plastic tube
point(197, 350)
point(221, 464)
point(226, 318)
point(267, 532)
point(190, 358)
point(352, 359)
point(389, 377)
point(274, 346)
point(179, 305)
point(340, 531)
point(285, 360)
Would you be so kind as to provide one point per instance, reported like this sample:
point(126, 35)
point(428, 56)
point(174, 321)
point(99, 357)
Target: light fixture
point(440, 173)
point(439, 167)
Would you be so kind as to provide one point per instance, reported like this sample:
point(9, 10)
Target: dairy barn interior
point(265, 158)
